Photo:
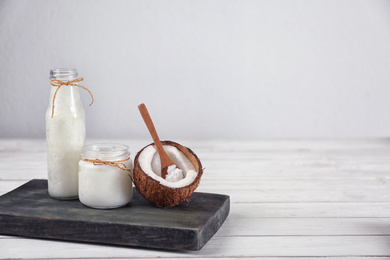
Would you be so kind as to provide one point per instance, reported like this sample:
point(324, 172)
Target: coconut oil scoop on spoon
point(168, 167)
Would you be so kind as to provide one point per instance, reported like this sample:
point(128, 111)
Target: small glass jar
point(105, 176)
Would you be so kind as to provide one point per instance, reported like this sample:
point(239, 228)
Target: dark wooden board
point(29, 211)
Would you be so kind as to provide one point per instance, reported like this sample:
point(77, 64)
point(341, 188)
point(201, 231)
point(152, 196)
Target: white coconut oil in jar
point(65, 135)
point(105, 176)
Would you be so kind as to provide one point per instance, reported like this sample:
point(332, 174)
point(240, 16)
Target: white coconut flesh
point(149, 160)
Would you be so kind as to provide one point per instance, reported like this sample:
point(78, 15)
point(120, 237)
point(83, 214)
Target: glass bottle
point(65, 136)
point(105, 176)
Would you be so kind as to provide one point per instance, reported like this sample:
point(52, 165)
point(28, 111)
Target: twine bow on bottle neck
point(58, 83)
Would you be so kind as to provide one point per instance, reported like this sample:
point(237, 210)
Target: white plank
point(271, 246)
point(312, 210)
point(251, 258)
point(264, 147)
point(241, 225)
point(262, 258)
point(21, 166)
point(300, 190)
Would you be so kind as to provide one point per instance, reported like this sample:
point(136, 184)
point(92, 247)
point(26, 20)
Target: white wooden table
point(290, 199)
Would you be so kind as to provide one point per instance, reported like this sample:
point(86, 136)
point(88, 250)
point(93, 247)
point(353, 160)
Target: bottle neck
point(67, 102)
point(63, 74)
point(69, 93)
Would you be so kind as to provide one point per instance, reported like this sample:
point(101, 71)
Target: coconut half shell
point(161, 195)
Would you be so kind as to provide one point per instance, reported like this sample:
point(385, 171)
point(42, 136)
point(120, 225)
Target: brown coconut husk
point(164, 196)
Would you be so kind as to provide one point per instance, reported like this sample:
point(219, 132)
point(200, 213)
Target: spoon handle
point(165, 160)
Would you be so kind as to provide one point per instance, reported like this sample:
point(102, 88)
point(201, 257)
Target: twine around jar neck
point(118, 164)
point(58, 83)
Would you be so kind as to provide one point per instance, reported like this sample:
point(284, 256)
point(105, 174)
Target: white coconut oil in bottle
point(65, 135)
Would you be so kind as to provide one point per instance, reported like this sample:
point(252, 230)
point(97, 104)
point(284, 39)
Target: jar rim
point(106, 151)
point(63, 73)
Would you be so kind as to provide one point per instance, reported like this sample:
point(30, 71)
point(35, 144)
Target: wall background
point(205, 69)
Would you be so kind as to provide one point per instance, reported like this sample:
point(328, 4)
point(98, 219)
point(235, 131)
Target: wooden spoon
point(165, 160)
